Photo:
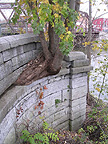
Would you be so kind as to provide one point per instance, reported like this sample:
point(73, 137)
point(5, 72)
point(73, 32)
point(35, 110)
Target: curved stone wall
point(59, 99)
point(15, 52)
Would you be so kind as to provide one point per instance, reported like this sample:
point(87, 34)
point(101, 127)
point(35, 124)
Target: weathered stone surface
point(66, 95)
point(80, 63)
point(4, 44)
point(79, 92)
point(1, 58)
point(7, 124)
point(7, 55)
point(63, 71)
point(74, 76)
point(16, 40)
point(56, 86)
point(78, 108)
point(8, 68)
point(77, 123)
point(66, 64)
point(75, 56)
point(2, 71)
point(78, 101)
point(18, 50)
point(69, 86)
point(11, 137)
point(77, 114)
point(81, 69)
point(29, 47)
point(11, 40)
point(79, 82)
point(50, 100)
point(64, 125)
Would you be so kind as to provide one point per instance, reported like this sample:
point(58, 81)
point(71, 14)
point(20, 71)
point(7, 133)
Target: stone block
point(9, 80)
point(66, 64)
point(64, 112)
point(78, 108)
point(57, 78)
point(7, 124)
point(78, 92)
point(2, 87)
point(78, 101)
point(77, 114)
point(8, 67)
point(74, 76)
point(35, 53)
point(25, 39)
point(38, 46)
point(49, 101)
point(79, 82)
point(61, 120)
point(4, 44)
point(12, 41)
point(3, 109)
point(66, 94)
point(22, 59)
point(56, 86)
point(63, 125)
point(63, 71)
point(80, 63)
point(28, 56)
point(81, 69)
point(74, 56)
point(29, 47)
point(77, 123)
point(7, 55)
point(1, 58)
point(11, 137)
point(2, 71)
point(15, 63)
point(18, 51)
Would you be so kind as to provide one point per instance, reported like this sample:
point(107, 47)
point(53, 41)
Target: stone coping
point(81, 69)
point(9, 42)
point(75, 55)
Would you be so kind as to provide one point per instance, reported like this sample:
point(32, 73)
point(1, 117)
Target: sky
point(97, 10)
point(4, 1)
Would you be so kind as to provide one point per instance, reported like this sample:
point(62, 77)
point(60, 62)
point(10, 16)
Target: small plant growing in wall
point(57, 101)
point(40, 138)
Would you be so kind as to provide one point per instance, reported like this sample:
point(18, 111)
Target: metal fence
point(10, 28)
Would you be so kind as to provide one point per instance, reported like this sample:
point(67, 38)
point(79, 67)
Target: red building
point(100, 24)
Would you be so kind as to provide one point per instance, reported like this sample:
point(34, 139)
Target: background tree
point(60, 16)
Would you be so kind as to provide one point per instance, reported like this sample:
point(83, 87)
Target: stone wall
point(15, 52)
point(63, 95)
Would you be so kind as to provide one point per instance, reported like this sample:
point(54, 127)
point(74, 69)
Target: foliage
point(96, 126)
point(40, 138)
point(56, 12)
point(100, 74)
point(57, 101)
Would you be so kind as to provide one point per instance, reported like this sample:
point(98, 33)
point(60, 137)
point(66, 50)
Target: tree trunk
point(47, 64)
point(50, 62)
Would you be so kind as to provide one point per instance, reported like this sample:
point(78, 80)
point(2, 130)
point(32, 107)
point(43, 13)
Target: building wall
point(61, 98)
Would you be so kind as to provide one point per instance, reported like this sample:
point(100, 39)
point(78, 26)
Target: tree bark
point(77, 5)
point(50, 62)
point(72, 4)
